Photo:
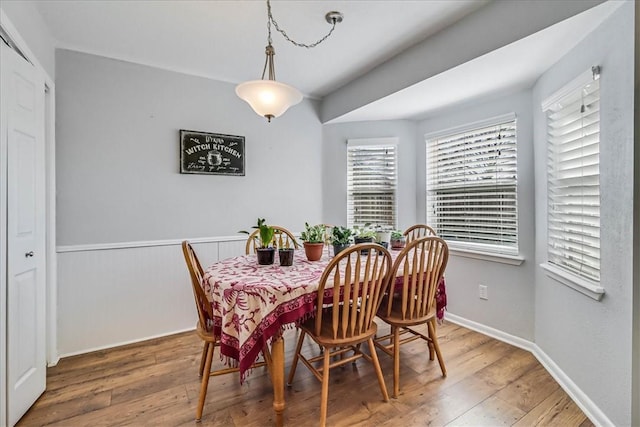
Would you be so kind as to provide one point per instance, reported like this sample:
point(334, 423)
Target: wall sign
point(211, 153)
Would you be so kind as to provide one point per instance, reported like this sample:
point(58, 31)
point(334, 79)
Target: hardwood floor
point(156, 382)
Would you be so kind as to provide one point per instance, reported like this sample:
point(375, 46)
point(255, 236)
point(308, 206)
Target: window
point(573, 215)
point(371, 181)
point(472, 186)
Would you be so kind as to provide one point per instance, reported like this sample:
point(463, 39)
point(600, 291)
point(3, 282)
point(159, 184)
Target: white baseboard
point(590, 409)
point(489, 331)
point(90, 350)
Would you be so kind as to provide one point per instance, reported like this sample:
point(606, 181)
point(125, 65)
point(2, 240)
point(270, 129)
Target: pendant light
point(268, 97)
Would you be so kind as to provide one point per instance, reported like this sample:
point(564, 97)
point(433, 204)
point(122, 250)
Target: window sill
point(487, 256)
point(584, 286)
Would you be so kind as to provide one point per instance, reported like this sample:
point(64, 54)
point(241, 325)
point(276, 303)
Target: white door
point(22, 93)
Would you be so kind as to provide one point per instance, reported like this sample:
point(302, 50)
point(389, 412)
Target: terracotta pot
point(313, 250)
point(266, 256)
point(286, 257)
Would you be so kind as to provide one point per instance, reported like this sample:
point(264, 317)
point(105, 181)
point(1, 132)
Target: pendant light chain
point(286, 36)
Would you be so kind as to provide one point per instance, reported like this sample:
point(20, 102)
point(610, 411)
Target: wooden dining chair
point(282, 238)
point(344, 319)
point(417, 231)
point(410, 300)
point(205, 328)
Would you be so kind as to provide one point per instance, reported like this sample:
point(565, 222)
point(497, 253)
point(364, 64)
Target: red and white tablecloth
point(251, 302)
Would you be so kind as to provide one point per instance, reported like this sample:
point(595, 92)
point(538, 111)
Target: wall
point(510, 307)
point(123, 206)
point(334, 158)
point(25, 17)
point(590, 340)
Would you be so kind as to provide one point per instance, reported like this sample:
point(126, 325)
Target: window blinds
point(472, 186)
point(371, 185)
point(573, 132)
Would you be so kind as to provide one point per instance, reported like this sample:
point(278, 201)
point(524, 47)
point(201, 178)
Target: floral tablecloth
point(251, 302)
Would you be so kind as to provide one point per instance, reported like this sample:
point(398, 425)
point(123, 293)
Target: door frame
point(10, 31)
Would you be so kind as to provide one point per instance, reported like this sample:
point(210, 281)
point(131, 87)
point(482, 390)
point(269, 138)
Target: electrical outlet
point(482, 292)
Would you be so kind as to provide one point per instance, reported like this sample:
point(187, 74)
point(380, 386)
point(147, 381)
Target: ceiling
point(225, 40)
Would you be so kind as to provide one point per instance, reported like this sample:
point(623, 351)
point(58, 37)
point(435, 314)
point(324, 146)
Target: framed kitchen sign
point(211, 153)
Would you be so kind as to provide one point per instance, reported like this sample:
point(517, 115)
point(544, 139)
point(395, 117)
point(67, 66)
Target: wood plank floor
point(156, 383)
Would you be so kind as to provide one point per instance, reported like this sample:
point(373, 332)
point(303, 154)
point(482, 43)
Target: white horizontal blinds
point(573, 132)
point(371, 185)
point(471, 187)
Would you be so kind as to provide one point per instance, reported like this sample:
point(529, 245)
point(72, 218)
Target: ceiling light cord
point(332, 17)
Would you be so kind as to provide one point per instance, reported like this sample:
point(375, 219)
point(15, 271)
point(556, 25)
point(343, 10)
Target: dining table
point(252, 304)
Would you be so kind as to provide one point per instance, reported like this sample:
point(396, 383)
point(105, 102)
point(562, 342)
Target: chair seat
point(206, 335)
point(325, 338)
point(395, 317)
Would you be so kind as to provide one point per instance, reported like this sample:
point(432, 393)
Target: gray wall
point(25, 17)
point(589, 340)
point(510, 307)
point(334, 157)
point(117, 156)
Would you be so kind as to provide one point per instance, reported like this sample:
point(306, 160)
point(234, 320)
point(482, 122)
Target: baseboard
point(583, 401)
point(491, 332)
point(119, 344)
point(590, 409)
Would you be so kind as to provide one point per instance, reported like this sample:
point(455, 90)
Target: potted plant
point(383, 235)
point(265, 252)
point(363, 234)
point(397, 239)
point(285, 254)
point(313, 238)
point(340, 238)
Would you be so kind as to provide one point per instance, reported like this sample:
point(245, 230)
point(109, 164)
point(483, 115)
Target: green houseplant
point(265, 252)
point(364, 234)
point(398, 239)
point(340, 238)
point(313, 240)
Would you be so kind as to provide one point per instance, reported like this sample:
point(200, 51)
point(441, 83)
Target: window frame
point(486, 252)
point(581, 283)
point(391, 142)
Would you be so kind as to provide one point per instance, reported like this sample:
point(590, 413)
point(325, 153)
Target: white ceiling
point(225, 40)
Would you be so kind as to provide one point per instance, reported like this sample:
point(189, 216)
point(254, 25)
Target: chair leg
point(396, 361)
point(294, 364)
point(203, 357)
point(325, 388)
point(205, 383)
point(434, 338)
point(430, 344)
point(376, 365)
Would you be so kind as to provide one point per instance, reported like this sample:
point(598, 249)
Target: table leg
point(277, 378)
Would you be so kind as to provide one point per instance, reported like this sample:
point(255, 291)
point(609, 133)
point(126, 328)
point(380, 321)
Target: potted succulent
point(313, 238)
point(397, 240)
point(265, 252)
point(340, 238)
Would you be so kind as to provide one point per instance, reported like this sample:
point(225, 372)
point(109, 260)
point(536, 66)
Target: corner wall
point(590, 340)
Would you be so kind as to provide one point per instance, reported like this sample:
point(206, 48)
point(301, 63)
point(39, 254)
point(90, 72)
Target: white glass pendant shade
point(268, 98)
